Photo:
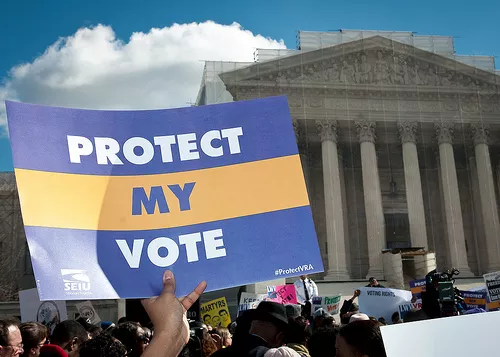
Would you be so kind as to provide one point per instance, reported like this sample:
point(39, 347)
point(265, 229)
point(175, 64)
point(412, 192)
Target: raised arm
point(168, 315)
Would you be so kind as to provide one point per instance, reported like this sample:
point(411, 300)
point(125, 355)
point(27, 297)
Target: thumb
point(168, 283)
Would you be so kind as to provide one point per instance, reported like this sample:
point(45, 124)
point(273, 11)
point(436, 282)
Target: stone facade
point(398, 147)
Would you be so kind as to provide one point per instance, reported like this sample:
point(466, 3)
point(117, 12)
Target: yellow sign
point(216, 313)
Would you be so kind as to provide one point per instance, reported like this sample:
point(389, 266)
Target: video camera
point(441, 298)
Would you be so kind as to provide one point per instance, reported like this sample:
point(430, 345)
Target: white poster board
point(459, 336)
point(249, 301)
point(87, 311)
point(49, 313)
point(381, 302)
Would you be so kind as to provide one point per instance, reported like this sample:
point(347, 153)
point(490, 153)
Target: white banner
point(48, 313)
point(381, 302)
point(330, 304)
point(87, 311)
point(438, 337)
point(249, 301)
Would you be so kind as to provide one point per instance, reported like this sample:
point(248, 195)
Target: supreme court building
point(399, 141)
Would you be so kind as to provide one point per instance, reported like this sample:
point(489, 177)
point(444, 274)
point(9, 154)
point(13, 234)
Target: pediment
point(375, 61)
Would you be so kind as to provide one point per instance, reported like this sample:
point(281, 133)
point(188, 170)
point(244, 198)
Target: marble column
point(480, 243)
point(414, 198)
point(375, 223)
point(453, 210)
point(344, 209)
point(442, 257)
point(337, 267)
point(480, 135)
point(301, 143)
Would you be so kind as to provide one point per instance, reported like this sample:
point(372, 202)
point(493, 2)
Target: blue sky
point(28, 27)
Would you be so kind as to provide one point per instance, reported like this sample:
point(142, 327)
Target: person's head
point(328, 321)
point(359, 317)
point(84, 322)
point(373, 282)
point(122, 320)
point(270, 323)
point(208, 344)
point(69, 335)
point(360, 339)
point(227, 338)
point(415, 315)
point(34, 336)
point(303, 277)
point(382, 321)
point(94, 331)
point(281, 352)
point(102, 345)
point(133, 337)
point(11, 342)
point(232, 327)
point(297, 331)
point(52, 351)
point(322, 342)
point(207, 319)
point(395, 317)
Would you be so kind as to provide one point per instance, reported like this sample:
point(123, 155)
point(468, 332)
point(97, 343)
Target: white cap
point(281, 352)
point(359, 317)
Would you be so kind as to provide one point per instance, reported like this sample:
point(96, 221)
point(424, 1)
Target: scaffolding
point(12, 239)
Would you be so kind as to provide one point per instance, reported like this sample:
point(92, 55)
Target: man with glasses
point(133, 337)
point(11, 343)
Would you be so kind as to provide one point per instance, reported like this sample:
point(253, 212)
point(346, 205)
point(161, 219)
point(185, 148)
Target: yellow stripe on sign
point(494, 305)
point(473, 301)
point(58, 200)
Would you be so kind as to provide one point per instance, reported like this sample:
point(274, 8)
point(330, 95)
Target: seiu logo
point(75, 280)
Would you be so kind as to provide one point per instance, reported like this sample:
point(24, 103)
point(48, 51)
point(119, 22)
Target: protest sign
point(475, 299)
point(330, 304)
point(249, 301)
point(111, 199)
point(87, 311)
point(417, 287)
point(492, 281)
point(438, 337)
point(409, 306)
point(48, 313)
point(380, 302)
point(282, 294)
point(216, 313)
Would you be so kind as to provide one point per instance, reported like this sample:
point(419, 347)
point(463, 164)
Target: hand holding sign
point(168, 315)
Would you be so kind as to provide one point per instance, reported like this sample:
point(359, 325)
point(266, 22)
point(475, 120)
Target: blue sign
point(110, 199)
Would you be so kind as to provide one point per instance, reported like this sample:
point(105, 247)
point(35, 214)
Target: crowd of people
point(267, 331)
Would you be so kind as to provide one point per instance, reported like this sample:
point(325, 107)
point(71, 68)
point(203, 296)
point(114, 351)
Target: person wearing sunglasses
point(34, 336)
point(133, 337)
point(11, 342)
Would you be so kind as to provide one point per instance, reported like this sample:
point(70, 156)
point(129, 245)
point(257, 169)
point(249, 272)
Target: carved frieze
point(379, 67)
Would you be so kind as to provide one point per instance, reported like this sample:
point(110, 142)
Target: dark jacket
point(250, 346)
point(347, 306)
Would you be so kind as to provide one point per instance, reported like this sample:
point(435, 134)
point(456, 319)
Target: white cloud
point(159, 69)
